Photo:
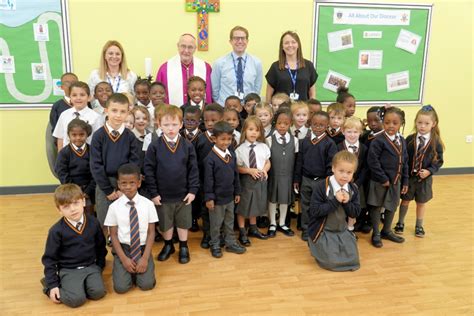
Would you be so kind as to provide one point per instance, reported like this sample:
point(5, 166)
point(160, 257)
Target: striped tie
point(252, 157)
point(419, 153)
point(354, 149)
point(135, 251)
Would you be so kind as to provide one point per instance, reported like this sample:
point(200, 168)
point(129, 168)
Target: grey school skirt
point(253, 198)
point(386, 197)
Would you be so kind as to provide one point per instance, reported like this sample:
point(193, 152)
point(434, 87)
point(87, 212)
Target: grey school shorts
point(174, 214)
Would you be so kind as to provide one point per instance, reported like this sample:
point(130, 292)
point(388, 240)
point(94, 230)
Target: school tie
point(190, 136)
point(354, 149)
point(419, 153)
point(234, 142)
point(135, 251)
point(78, 225)
point(77, 114)
point(172, 145)
point(252, 157)
point(80, 150)
point(240, 75)
point(228, 157)
point(397, 141)
point(283, 140)
point(333, 131)
point(115, 133)
point(297, 132)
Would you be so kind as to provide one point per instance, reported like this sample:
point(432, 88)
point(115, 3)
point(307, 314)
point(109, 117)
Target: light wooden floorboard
point(432, 276)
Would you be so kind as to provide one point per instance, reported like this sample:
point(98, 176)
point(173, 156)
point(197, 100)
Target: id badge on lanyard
point(293, 96)
point(237, 93)
point(117, 86)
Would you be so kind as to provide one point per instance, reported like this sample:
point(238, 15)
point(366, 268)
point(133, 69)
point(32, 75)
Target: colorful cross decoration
point(202, 7)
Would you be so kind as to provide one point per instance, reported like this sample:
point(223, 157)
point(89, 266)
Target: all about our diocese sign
point(371, 16)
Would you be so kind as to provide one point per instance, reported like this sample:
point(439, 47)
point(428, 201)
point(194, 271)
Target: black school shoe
point(419, 231)
point(205, 241)
point(257, 234)
point(166, 252)
point(184, 255)
point(285, 230)
point(244, 240)
point(235, 248)
point(298, 222)
point(377, 241)
point(271, 231)
point(398, 229)
point(216, 252)
point(392, 237)
point(366, 228)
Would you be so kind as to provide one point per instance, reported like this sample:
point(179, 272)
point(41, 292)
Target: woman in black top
point(291, 74)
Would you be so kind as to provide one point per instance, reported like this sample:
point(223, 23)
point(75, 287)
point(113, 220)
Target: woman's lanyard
point(118, 83)
point(292, 76)
point(240, 81)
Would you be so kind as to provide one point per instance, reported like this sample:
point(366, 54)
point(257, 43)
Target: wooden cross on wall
point(202, 7)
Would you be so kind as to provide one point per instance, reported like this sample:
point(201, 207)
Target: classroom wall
point(149, 28)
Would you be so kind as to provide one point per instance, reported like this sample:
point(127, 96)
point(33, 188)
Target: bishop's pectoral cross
point(203, 7)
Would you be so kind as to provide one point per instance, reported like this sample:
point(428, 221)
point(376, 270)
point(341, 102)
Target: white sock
point(283, 209)
point(272, 209)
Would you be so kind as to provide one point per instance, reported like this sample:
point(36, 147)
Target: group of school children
point(145, 162)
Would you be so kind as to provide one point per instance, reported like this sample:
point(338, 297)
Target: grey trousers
point(79, 284)
point(222, 215)
point(123, 280)
point(306, 190)
point(102, 203)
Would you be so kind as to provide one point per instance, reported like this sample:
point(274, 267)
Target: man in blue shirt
point(237, 73)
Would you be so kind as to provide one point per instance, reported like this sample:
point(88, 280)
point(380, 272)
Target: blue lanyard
point(235, 70)
point(118, 83)
point(292, 77)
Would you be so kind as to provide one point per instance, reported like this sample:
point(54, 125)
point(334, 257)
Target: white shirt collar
point(427, 137)
point(267, 129)
point(171, 140)
point(76, 148)
point(208, 133)
point(335, 186)
point(222, 153)
point(73, 223)
point(244, 56)
point(313, 135)
point(200, 104)
point(349, 144)
point(67, 99)
point(120, 130)
point(145, 105)
point(247, 143)
point(278, 135)
point(81, 112)
point(195, 131)
point(392, 138)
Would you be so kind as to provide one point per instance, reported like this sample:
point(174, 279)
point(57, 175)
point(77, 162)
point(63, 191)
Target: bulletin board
point(34, 52)
point(379, 51)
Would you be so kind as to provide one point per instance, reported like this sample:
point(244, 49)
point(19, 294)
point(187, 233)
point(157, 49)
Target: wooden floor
point(433, 275)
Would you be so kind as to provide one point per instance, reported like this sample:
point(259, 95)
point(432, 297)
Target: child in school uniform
point(75, 251)
point(278, 99)
point(300, 112)
point(157, 94)
point(331, 244)
point(102, 92)
point(141, 122)
point(141, 89)
point(250, 101)
point(425, 157)
point(131, 220)
point(351, 130)
point(150, 137)
point(336, 113)
point(231, 116)
point(112, 146)
point(63, 104)
point(346, 99)
point(253, 160)
point(130, 121)
point(79, 93)
point(388, 163)
point(264, 112)
point(283, 149)
point(222, 190)
point(191, 131)
point(196, 93)
point(72, 165)
point(313, 106)
point(172, 178)
point(233, 102)
point(212, 114)
point(313, 163)
point(374, 123)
